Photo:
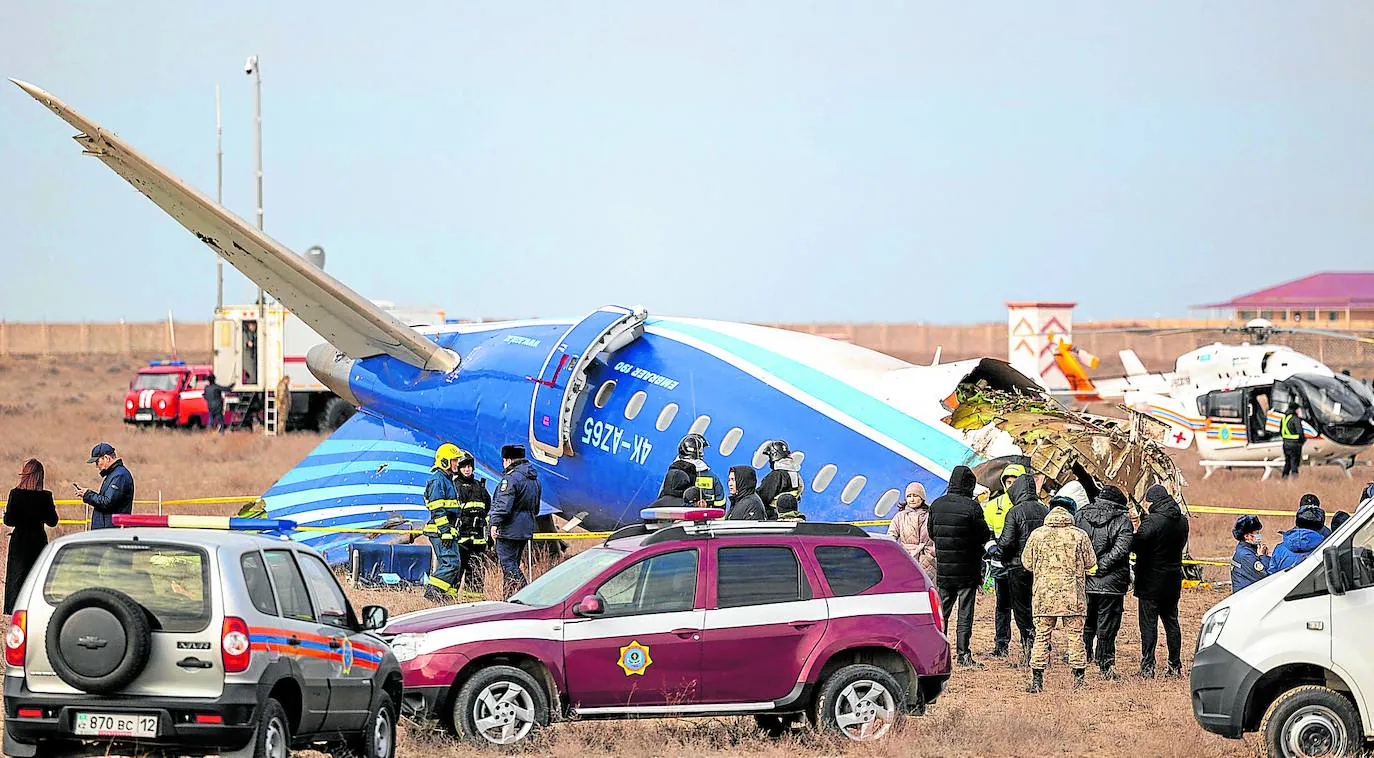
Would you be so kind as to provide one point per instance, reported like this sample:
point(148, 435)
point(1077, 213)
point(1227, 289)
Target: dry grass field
point(56, 409)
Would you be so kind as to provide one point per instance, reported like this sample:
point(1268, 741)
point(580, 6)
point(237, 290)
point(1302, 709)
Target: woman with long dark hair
point(29, 508)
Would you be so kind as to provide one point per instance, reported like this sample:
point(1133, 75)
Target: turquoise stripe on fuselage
point(939, 448)
point(306, 471)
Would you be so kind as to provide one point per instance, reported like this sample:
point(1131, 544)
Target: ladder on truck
point(271, 352)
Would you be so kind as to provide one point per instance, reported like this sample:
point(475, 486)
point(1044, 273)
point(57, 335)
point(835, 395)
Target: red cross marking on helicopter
point(1178, 437)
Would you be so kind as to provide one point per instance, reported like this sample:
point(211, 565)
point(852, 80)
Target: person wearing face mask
point(911, 527)
point(1250, 563)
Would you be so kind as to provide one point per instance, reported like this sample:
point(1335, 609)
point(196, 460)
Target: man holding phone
point(116, 493)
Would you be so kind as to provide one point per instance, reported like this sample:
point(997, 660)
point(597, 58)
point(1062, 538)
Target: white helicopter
point(1229, 399)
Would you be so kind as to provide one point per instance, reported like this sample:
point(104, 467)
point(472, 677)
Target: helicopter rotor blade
point(1326, 333)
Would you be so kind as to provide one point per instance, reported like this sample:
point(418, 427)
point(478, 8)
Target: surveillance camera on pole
point(250, 65)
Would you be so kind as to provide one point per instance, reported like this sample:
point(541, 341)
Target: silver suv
point(203, 641)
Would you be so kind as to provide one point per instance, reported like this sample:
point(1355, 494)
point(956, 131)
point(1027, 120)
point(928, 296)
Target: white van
point(1292, 656)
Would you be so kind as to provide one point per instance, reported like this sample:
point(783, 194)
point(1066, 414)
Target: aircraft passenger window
point(666, 416)
point(732, 438)
point(635, 405)
point(852, 490)
point(823, 477)
point(760, 457)
point(886, 502)
point(603, 395)
point(699, 426)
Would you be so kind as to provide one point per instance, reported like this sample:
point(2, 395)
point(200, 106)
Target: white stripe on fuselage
point(666, 331)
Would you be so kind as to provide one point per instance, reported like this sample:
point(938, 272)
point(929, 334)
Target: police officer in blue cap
point(116, 493)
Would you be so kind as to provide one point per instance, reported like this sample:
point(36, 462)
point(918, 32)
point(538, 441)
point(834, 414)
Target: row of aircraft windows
point(731, 440)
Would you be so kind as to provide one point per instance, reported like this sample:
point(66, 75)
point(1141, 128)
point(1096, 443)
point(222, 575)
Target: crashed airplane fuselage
point(602, 401)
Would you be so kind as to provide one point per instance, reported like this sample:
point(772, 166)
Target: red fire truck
point(168, 393)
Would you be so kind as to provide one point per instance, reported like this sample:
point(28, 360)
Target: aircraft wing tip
point(36, 92)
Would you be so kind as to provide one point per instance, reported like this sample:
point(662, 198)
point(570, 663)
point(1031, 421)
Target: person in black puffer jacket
point(959, 531)
point(1158, 548)
point(1026, 515)
point(1109, 528)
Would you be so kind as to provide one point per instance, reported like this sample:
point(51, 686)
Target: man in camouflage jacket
point(1059, 556)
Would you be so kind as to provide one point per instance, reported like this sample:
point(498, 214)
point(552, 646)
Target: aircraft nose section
point(332, 368)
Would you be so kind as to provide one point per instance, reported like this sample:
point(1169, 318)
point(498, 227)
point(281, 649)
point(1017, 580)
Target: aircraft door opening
point(563, 377)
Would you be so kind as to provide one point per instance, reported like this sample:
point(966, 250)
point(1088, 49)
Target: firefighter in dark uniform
point(474, 504)
point(1290, 429)
point(689, 460)
point(441, 498)
point(784, 479)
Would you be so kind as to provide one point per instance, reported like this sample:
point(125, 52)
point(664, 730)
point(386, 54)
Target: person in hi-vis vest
point(1290, 429)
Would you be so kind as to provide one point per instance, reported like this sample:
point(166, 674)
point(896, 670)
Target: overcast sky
point(755, 161)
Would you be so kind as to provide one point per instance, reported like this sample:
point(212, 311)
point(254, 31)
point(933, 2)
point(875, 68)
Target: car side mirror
point(590, 605)
point(374, 617)
point(1336, 581)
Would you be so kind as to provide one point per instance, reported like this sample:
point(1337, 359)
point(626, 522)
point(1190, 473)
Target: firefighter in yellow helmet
point(441, 498)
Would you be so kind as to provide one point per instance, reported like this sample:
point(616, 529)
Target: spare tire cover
point(98, 640)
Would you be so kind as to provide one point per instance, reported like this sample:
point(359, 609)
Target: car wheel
point(378, 738)
point(1311, 721)
point(861, 702)
point(776, 725)
point(272, 738)
point(500, 705)
point(98, 640)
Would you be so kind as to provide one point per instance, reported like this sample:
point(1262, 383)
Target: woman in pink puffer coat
point(910, 526)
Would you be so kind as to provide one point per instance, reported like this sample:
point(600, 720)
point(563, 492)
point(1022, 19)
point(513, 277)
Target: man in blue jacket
point(513, 511)
point(116, 493)
point(1300, 541)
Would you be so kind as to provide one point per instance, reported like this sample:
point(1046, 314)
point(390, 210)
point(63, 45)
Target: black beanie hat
point(1112, 494)
point(512, 452)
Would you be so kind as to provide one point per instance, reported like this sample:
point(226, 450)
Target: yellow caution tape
point(184, 501)
point(594, 535)
point(1238, 511)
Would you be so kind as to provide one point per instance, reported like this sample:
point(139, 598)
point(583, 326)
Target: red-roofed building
point(1329, 298)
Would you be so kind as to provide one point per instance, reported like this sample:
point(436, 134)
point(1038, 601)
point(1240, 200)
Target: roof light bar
point(165, 362)
point(681, 514)
point(228, 523)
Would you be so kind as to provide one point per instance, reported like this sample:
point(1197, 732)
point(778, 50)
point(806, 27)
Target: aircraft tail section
point(369, 474)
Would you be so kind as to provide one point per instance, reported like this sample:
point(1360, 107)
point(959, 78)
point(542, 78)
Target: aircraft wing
point(352, 324)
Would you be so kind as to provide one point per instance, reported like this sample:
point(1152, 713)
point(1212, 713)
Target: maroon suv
point(770, 619)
